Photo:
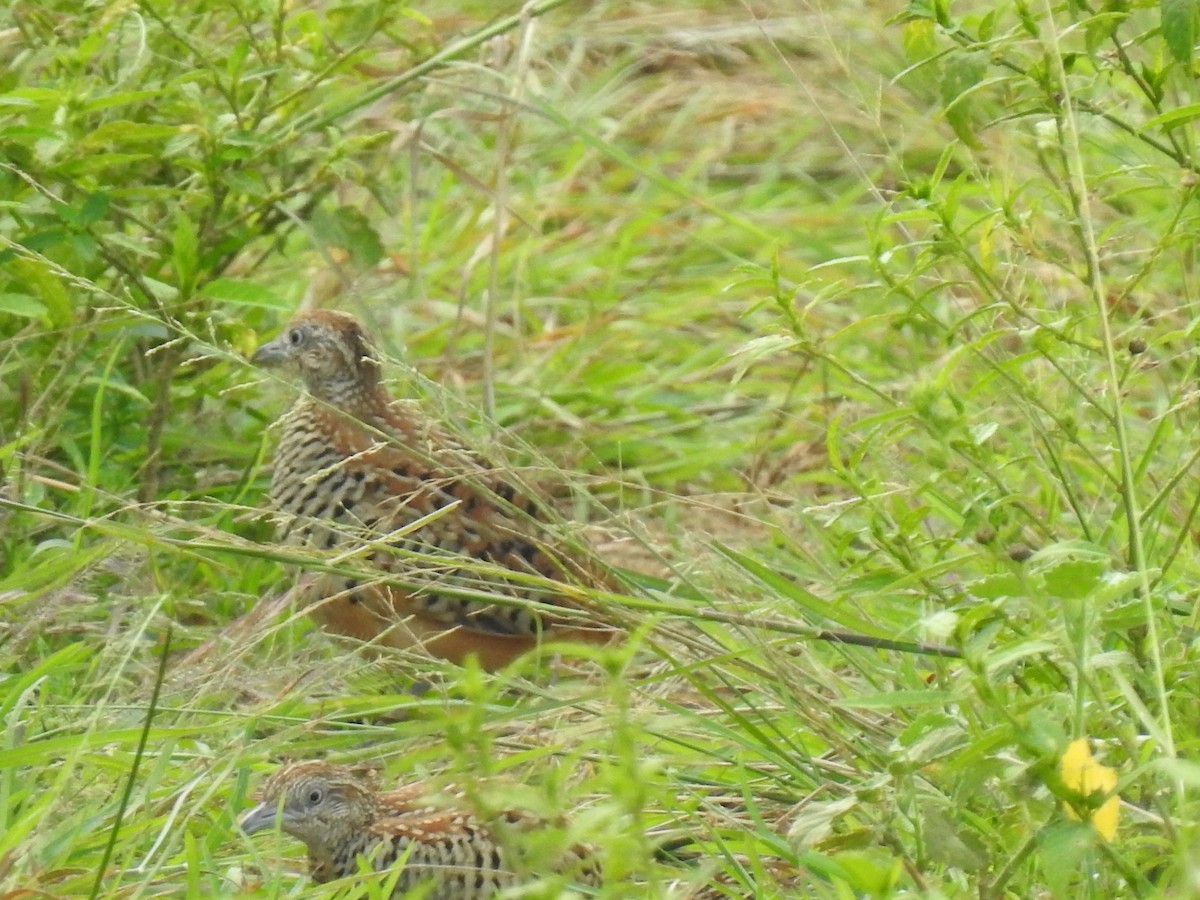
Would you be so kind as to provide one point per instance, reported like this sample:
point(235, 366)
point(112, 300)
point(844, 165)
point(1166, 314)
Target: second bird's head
point(313, 801)
point(330, 352)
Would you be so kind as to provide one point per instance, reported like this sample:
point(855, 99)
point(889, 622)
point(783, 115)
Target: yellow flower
point(1082, 773)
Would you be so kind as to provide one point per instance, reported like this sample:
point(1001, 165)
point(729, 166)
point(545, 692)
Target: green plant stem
point(1128, 491)
point(113, 833)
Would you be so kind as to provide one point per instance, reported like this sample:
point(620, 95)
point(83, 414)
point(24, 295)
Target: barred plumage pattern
point(341, 817)
point(355, 469)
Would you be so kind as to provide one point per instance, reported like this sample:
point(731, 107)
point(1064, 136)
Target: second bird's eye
point(295, 337)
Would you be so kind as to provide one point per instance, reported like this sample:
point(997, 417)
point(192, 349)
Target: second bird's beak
point(272, 353)
point(261, 817)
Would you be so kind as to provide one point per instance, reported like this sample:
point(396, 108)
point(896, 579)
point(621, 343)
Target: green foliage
point(881, 337)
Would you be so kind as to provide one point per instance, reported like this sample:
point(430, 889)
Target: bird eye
point(315, 796)
point(295, 337)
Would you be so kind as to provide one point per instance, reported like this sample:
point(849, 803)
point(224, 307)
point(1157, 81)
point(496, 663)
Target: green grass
point(824, 320)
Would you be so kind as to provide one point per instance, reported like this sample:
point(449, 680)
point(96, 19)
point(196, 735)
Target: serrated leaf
point(1073, 578)
point(1178, 22)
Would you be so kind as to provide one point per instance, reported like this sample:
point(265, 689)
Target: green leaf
point(950, 840)
point(108, 101)
point(47, 286)
point(28, 134)
point(898, 700)
point(1101, 28)
point(993, 587)
point(123, 132)
point(1073, 578)
point(1174, 118)
point(94, 163)
point(917, 39)
point(819, 608)
point(1179, 27)
point(94, 208)
point(244, 293)
point(963, 74)
point(22, 305)
point(348, 228)
point(1062, 847)
point(873, 873)
point(185, 253)
point(26, 98)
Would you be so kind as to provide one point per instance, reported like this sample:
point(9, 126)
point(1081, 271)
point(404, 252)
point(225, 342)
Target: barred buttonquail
point(355, 469)
point(341, 817)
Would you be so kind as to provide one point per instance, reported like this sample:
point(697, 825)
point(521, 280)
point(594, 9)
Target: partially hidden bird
point(386, 486)
point(434, 841)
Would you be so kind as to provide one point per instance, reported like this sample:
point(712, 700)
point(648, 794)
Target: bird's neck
point(359, 398)
point(336, 853)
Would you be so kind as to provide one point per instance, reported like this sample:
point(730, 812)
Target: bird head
point(330, 352)
point(316, 802)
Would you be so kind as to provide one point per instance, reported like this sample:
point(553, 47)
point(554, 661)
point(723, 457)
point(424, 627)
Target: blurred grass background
point(859, 316)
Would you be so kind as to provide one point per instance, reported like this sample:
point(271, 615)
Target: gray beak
point(260, 818)
point(272, 353)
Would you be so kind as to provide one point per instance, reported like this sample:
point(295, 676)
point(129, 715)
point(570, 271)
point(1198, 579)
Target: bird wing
point(409, 468)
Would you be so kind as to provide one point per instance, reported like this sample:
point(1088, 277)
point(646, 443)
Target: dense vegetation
point(831, 321)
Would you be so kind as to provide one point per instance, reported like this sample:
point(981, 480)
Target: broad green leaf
point(47, 286)
point(918, 39)
point(22, 305)
point(109, 101)
point(1062, 847)
point(347, 228)
point(185, 253)
point(94, 163)
point(123, 133)
point(962, 75)
point(243, 293)
point(29, 97)
point(1179, 27)
point(1073, 578)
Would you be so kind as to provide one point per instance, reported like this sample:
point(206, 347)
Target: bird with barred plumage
point(467, 565)
point(344, 820)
